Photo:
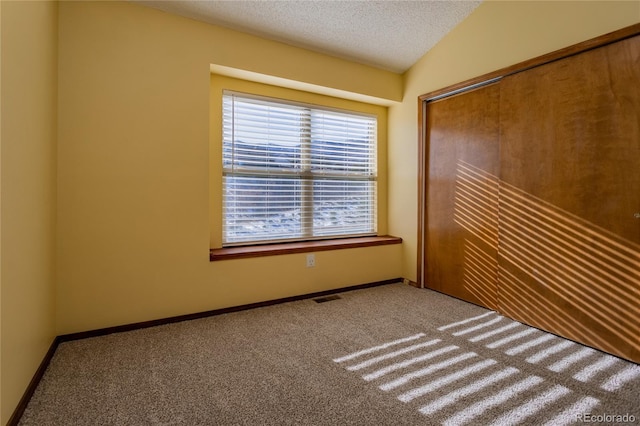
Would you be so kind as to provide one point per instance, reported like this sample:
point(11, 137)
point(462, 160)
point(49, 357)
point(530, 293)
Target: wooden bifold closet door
point(462, 205)
point(533, 197)
point(570, 188)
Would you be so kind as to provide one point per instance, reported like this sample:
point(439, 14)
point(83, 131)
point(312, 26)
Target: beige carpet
point(390, 355)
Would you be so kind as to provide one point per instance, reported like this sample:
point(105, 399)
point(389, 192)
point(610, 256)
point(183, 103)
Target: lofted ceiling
point(387, 34)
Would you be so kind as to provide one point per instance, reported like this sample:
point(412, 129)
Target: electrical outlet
point(311, 260)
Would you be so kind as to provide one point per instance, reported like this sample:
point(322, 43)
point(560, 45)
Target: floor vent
point(327, 298)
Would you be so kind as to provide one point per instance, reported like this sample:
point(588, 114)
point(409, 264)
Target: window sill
point(299, 247)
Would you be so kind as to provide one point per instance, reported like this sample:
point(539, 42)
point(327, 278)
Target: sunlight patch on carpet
point(437, 371)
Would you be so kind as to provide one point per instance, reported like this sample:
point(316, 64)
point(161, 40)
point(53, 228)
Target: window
point(296, 172)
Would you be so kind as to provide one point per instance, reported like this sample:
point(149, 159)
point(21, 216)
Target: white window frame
point(306, 175)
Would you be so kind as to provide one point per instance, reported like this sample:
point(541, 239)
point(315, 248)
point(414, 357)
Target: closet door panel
point(569, 221)
point(461, 220)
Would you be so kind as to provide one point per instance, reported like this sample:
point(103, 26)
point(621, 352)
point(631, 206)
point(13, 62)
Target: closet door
point(461, 214)
point(569, 222)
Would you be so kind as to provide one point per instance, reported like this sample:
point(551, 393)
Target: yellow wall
point(2, 421)
point(497, 34)
point(28, 188)
point(133, 185)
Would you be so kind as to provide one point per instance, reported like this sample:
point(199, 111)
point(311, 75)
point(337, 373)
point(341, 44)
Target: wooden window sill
point(299, 247)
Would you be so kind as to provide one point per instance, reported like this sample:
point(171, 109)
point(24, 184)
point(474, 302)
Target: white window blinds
point(296, 172)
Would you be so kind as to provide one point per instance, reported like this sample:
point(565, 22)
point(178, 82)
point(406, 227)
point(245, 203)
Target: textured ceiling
point(389, 34)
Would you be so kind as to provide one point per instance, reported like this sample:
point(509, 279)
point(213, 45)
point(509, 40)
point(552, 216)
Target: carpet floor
point(389, 355)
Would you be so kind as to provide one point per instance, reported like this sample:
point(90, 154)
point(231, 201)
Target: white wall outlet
point(311, 260)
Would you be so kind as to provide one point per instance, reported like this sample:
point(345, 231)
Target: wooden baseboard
point(198, 315)
point(411, 283)
point(33, 384)
point(22, 405)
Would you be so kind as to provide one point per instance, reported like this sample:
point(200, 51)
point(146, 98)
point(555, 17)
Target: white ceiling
point(387, 34)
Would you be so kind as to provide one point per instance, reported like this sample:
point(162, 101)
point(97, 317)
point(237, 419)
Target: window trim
point(307, 237)
point(262, 250)
point(219, 82)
